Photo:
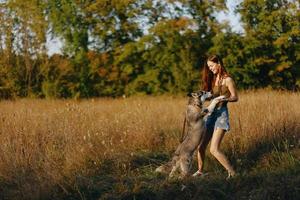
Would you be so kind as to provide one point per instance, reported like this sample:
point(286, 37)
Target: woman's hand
point(213, 103)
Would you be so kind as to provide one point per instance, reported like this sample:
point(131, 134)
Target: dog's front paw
point(218, 99)
point(214, 102)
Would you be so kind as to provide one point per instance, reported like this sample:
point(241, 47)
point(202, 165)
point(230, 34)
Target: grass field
point(109, 148)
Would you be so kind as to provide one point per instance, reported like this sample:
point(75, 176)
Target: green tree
point(267, 52)
point(271, 42)
point(24, 33)
point(168, 57)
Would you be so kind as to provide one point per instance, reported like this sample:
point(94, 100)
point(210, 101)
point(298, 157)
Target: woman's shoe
point(199, 174)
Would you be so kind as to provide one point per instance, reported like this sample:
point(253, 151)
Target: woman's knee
point(214, 151)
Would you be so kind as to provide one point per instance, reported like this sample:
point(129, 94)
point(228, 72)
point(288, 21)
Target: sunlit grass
point(51, 147)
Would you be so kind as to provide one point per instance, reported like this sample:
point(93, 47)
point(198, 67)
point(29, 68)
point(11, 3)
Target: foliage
point(115, 48)
point(267, 53)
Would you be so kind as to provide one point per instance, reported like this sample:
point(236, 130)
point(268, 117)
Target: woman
point(217, 80)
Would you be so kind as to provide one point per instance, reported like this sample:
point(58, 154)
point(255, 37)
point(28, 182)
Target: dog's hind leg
point(185, 165)
point(175, 166)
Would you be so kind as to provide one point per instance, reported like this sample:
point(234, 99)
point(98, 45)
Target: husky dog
point(196, 131)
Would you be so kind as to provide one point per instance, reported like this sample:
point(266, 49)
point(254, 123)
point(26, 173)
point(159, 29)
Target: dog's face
point(200, 96)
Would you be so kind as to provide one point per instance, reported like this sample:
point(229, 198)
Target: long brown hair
point(208, 77)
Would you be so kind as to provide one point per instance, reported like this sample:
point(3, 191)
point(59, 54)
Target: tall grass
point(47, 147)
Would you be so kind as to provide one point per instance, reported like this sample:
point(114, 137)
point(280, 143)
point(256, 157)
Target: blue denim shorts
point(218, 119)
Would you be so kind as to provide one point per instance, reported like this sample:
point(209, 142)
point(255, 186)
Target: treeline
point(126, 47)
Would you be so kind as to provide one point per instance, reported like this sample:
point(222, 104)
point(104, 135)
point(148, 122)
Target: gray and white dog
point(182, 158)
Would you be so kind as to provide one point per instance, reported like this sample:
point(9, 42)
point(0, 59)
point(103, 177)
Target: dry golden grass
point(49, 143)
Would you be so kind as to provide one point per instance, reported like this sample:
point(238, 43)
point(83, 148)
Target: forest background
point(53, 146)
point(131, 47)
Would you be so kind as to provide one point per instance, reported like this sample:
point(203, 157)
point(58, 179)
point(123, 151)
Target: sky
point(54, 44)
point(234, 19)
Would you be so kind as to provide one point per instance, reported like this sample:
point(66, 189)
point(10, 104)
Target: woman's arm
point(232, 89)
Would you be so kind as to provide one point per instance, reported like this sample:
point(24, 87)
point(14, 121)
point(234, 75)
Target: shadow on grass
point(117, 179)
point(140, 182)
point(149, 158)
point(133, 177)
point(275, 185)
point(280, 140)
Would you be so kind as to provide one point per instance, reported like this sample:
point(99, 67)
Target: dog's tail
point(183, 131)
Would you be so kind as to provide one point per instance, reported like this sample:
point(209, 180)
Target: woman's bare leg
point(201, 157)
point(216, 152)
point(201, 152)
